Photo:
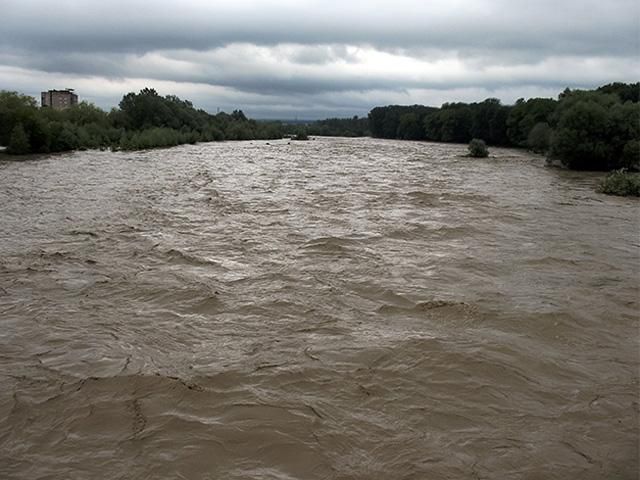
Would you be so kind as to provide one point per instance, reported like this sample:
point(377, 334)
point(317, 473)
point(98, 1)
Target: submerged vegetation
point(478, 149)
point(143, 120)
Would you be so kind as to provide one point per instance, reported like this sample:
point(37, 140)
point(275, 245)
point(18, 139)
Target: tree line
point(340, 127)
point(143, 120)
point(584, 129)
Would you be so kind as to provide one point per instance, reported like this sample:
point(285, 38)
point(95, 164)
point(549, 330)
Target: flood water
point(331, 309)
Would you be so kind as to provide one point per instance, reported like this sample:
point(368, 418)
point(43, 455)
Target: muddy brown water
point(332, 309)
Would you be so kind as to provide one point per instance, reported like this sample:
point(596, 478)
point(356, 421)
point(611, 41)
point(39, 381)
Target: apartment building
point(59, 99)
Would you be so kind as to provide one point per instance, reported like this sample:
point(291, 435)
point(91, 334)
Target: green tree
point(433, 126)
point(376, 121)
point(626, 92)
point(539, 137)
point(525, 115)
point(456, 120)
point(15, 108)
point(63, 137)
point(238, 131)
point(340, 127)
point(490, 121)
point(19, 142)
point(85, 113)
point(391, 122)
point(580, 140)
point(384, 122)
point(631, 155)
point(592, 130)
point(146, 109)
point(410, 127)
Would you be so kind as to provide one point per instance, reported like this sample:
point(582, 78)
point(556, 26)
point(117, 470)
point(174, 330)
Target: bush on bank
point(622, 183)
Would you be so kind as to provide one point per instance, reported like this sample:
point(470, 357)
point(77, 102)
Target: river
point(332, 309)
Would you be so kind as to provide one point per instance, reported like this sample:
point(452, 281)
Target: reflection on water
point(333, 309)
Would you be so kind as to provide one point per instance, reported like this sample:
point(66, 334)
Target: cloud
point(276, 56)
point(566, 27)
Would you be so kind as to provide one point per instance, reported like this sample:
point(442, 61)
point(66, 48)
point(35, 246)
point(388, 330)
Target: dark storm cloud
point(564, 27)
point(313, 50)
point(570, 27)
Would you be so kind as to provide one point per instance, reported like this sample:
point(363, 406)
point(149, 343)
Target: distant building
point(59, 99)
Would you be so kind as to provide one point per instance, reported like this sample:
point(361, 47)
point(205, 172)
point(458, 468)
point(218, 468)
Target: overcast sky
point(315, 59)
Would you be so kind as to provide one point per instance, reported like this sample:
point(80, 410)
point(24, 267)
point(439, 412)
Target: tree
point(631, 155)
point(147, 109)
point(524, 116)
point(340, 127)
point(376, 121)
point(238, 115)
point(63, 137)
point(410, 128)
point(301, 134)
point(15, 108)
point(238, 131)
point(626, 92)
point(580, 139)
point(385, 122)
point(456, 120)
point(592, 130)
point(539, 138)
point(19, 142)
point(433, 126)
point(490, 121)
point(391, 122)
point(85, 113)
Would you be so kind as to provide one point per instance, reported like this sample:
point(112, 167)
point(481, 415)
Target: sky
point(311, 59)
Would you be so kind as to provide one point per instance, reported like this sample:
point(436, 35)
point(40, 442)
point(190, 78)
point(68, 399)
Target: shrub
point(478, 149)
point(621, 182)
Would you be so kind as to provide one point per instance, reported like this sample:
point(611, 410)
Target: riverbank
point(608, 140)
point(143, 120)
